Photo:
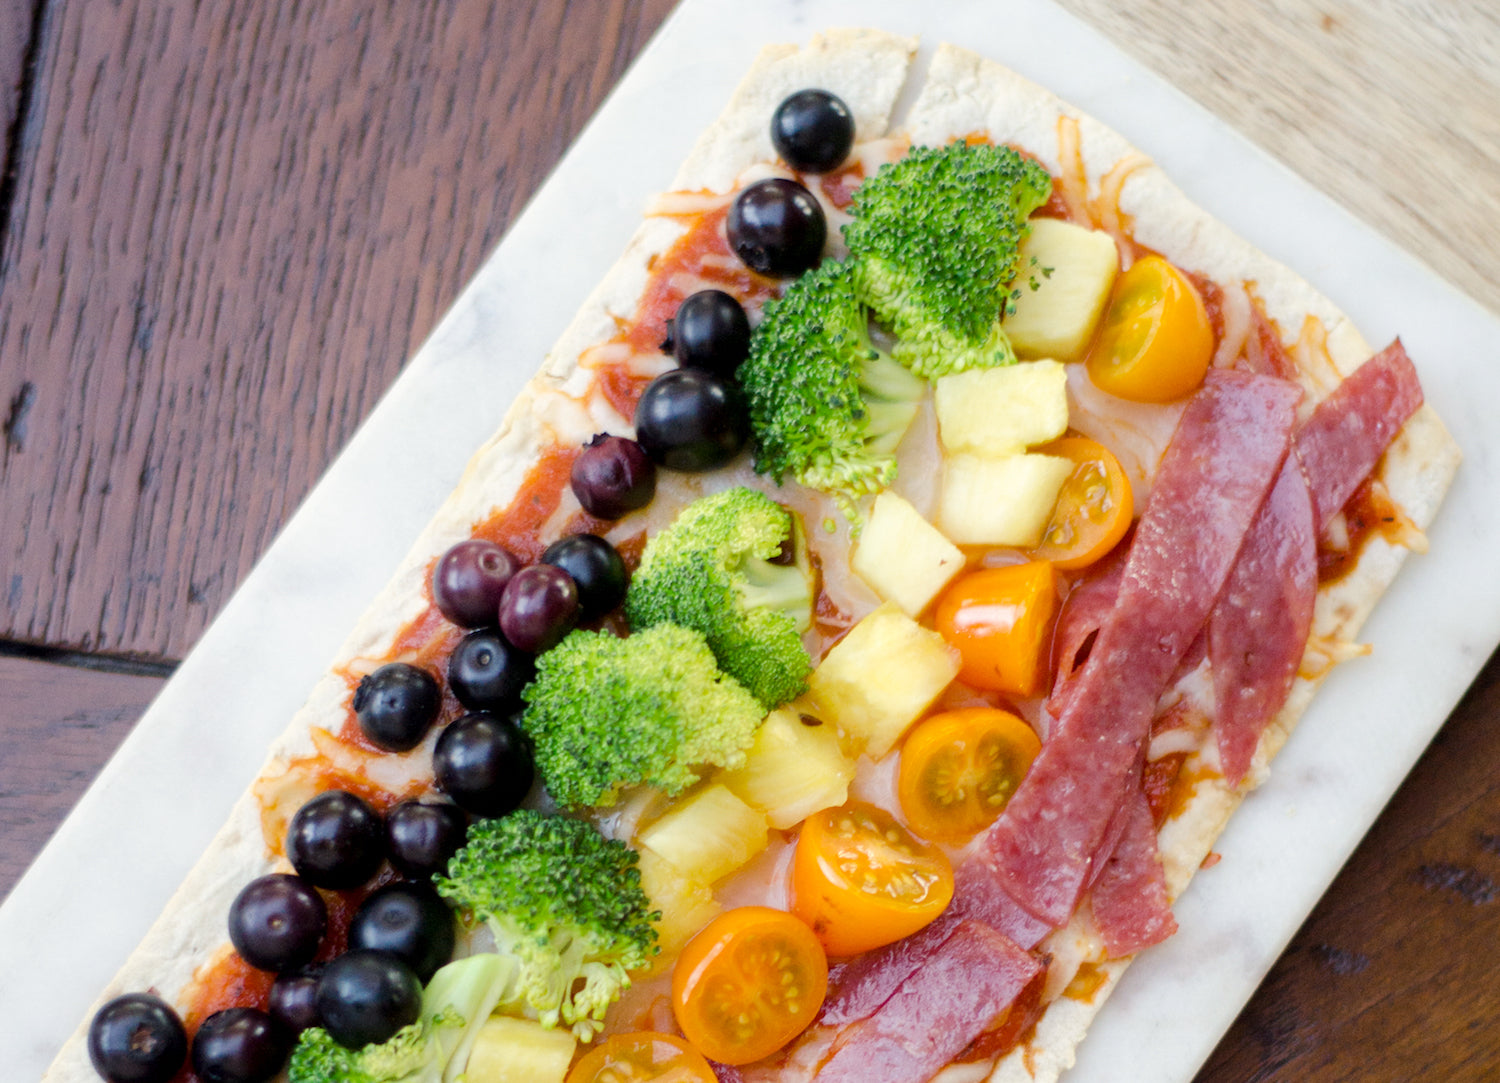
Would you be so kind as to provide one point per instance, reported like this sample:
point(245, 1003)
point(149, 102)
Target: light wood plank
point(1392, 108)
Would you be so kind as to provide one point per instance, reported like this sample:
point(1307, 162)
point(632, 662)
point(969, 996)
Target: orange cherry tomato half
point(1000, 619)
point(750, 982)
point(640, 1058)
point(861, 880)
point(959, 768)
point(1155, 342)
point(1093, 510)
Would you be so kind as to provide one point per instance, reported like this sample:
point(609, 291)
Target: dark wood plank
point(1392, 975)
point(15, 33)
point(235, 221)
point(59, 726)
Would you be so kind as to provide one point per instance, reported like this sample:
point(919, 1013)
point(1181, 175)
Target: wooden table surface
point(225, 225)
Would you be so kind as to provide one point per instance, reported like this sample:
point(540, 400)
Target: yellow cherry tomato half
point(640, 1058)
point(861, 880)
point(959, 769)
point(748, 983)
point(1155, 342)
point(1093, 510)
point(1000, 620)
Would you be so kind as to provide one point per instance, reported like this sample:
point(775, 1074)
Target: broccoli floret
point(826, 406)
point(455, 1004)
point(563, 901)
point(606, 713)
point(712, 571)
point(936, 243)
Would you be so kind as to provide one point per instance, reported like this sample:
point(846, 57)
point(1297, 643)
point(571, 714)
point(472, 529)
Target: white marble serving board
point(111, 867)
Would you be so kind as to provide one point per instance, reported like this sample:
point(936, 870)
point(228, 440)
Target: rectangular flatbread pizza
point(851, 643)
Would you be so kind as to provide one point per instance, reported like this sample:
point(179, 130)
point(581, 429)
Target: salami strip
point(979, 892)
point(1130, 900)
point(1223, 458)
point(1083, 614)
point(859, 987)
point(1259, 626)
point(1350, 429)
point(973, 979)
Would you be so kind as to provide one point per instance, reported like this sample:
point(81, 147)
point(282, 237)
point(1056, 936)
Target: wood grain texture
point(234, 224)
point(58, 726)
point(1391, 978)
point(15, 33)
point(1392, 107)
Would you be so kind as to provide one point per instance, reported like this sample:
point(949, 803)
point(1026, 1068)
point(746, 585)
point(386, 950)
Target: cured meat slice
point(1083, 614)
point(1259, 626)
point(1130, 899)
point(859, 987)
point(1349, 430)
point(952, 999)
point(1223, 458)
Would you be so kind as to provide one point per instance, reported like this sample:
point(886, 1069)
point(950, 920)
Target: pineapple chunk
point(520, 1051)
point(903, 557)
point(793, 770)
point(1058, 318)
point(880, 677)
point(1004, 501)
point(709, 835)
point(686, 905)
point(1002, 411)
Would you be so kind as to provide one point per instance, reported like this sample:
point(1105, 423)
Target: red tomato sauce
point(699, 259)
point(1159, 782)
point(1213, 303)
point(1370, 511)
point(839, 187)
point(230, 982)
point(518, 526)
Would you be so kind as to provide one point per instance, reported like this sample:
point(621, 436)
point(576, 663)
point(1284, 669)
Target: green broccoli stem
point(434, 1049)
point(471, 989)
point(781, 588)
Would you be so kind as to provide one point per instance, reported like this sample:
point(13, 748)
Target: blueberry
point(396, 705)
point(137, 1038)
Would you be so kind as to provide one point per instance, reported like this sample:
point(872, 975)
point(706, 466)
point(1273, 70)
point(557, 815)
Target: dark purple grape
point(812, 131)
point(336, 840)
point(422, 836)
point(613, 476)
point(277, 922)
point(487, 673)
point(409, 921)
point(240, 1045)
point(777, 228)
point(469, 579)
point(485, 763)
point(597, 570)
point(539, 607)
point(691, 419)
point(137, 1038)
point(396, 706)
point(711, 331)
point(364, 997)
point(294, 999)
